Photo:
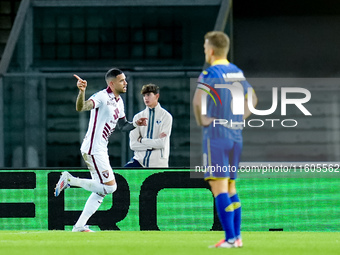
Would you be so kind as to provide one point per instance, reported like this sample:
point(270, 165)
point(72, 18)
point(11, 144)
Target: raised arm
point(81, 104)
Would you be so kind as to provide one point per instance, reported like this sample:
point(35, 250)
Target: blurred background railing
point(42, 43)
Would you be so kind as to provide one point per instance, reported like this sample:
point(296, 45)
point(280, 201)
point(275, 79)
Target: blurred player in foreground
point(222, 144)
point(151, 144)
point(107, 113)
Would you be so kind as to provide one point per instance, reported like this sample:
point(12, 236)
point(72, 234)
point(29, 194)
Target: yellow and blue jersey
point(223, 72)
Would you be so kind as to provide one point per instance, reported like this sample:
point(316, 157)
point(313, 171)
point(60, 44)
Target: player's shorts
point(221, 158)
point(99, 166)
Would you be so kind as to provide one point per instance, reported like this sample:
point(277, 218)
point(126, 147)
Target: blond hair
point(219, 41)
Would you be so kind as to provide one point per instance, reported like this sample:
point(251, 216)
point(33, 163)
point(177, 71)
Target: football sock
point(88, 184)
point(91, 206)
point(225, 212)
point(237, 215)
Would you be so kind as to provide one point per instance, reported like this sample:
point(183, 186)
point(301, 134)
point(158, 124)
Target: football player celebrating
point(107, 114)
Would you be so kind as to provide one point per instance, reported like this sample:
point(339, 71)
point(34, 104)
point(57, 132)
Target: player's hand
point(206, 121)
point(81, 84)
point(161, 135)
point(141, 122)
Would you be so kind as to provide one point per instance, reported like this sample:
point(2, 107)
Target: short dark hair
point(148, 88)
point(113, 73)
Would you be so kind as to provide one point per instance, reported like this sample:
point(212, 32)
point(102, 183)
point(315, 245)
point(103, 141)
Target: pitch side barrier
point(27, 195)
point(173, 199)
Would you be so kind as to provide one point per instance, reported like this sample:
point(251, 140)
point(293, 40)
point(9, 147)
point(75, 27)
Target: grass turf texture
point(164, 243)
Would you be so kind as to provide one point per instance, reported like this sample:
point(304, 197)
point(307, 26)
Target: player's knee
point(232, 192)
point(109, 189)
point(232, 187)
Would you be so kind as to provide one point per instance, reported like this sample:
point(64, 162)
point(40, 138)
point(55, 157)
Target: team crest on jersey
point(106, 173)
point(158, 122)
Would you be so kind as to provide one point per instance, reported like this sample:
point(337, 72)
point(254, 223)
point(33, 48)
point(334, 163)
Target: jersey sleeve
point(246, 85)
point(97, 99)
point(121, 113)
point(203, 77)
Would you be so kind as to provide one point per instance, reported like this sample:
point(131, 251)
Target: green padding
point(294, 204)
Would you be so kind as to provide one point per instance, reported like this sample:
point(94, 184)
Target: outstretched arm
point(81, 104)
point(126, 126)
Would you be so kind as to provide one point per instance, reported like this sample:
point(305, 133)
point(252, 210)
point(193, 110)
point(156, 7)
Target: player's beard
point(122, 90)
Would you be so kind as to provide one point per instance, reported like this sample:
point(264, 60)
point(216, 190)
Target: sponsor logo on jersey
point(111, 103)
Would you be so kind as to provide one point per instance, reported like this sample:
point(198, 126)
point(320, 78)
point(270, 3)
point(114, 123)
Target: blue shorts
point(221, 158)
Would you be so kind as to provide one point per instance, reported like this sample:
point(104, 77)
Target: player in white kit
point(107, 114)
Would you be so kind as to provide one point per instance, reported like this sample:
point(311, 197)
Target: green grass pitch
point(164, 243)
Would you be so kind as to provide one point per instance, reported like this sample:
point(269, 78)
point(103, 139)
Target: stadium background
point(42, 43)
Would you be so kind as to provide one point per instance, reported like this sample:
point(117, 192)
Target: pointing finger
point(79, 79)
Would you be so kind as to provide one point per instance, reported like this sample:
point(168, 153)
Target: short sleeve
point(203, 76)
point(246, 85)
point(97, 99)
point(121, 113)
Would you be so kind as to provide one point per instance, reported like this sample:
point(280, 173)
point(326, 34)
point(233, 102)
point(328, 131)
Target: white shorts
point(99, 166)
